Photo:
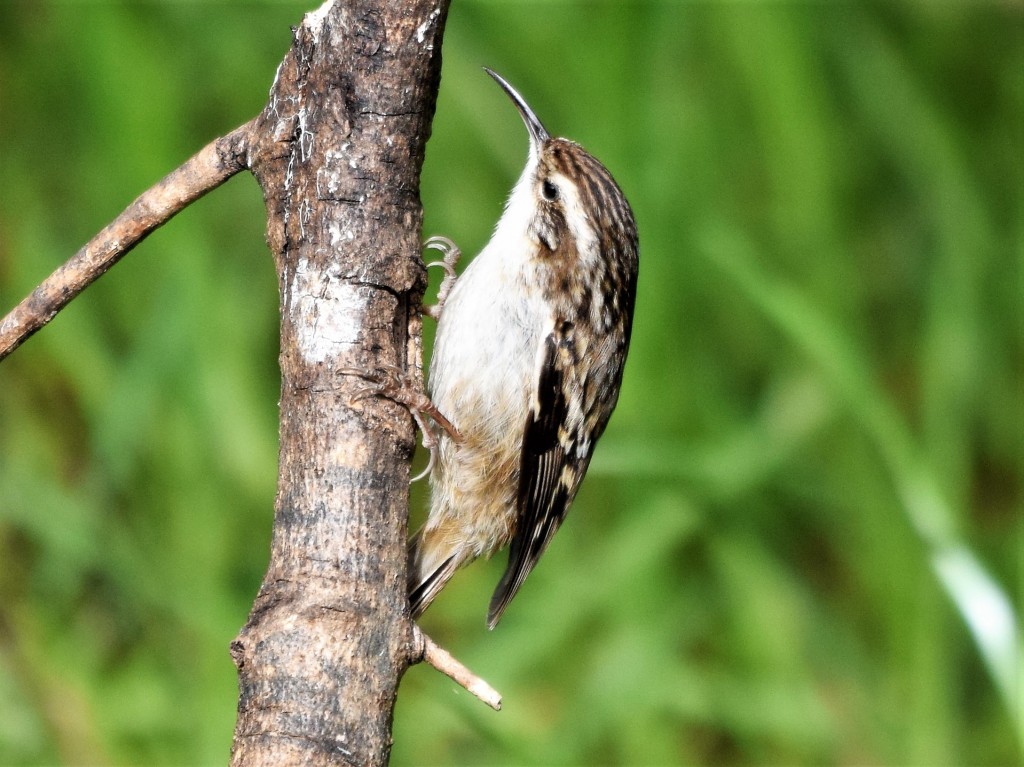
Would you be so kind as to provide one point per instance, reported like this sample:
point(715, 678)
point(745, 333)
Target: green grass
point(800, 539)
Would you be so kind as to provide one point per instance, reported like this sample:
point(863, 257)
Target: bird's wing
point(555, 455)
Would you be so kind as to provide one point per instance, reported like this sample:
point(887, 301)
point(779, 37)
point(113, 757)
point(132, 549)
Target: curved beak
point(538, 133)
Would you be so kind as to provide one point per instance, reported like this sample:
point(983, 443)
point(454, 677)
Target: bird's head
point(566, 201)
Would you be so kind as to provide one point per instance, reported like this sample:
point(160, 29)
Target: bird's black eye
point(549, 190)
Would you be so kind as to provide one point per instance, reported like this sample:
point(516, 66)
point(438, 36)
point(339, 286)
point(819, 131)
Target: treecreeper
point(527, 365)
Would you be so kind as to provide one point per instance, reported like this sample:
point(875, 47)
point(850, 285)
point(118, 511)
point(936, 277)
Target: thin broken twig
point(431, 653)
point(207, 169)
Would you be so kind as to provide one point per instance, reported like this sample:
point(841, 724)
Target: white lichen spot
point(273, 89)
point(306, 136)
point(327, 182)
point(421, 30)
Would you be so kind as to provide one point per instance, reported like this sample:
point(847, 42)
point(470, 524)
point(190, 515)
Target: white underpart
point(483, 371)
point(479, 307)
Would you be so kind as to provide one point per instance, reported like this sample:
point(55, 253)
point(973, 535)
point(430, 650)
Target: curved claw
point(448, 268)
point(430, 466)
point(445, 246)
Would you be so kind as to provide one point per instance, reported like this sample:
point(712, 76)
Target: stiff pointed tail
point(429, 572)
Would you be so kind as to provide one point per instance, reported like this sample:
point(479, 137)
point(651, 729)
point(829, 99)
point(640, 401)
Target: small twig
point(433, 654)
point(207, 169)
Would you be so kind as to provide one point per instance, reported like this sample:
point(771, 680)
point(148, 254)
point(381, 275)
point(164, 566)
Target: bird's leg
point(450, 254)
point(408, 391)
point(388, 382)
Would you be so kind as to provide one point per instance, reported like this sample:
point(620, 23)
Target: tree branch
point(338, 152)
point(434, 655)
point(342, 143)
point(207, 169)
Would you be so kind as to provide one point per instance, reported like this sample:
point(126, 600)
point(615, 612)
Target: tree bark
point(339, 156)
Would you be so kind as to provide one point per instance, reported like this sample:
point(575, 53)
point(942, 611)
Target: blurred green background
point(800, 541)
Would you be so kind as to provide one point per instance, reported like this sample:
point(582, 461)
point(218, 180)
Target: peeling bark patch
point(330, 312)
point(314, 20)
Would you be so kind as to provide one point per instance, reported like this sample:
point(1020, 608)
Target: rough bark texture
point(341, 146)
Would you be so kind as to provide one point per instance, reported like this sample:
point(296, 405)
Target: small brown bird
point(527, 365)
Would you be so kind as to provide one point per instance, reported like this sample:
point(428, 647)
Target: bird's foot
point(388, 381)
point(450, 254)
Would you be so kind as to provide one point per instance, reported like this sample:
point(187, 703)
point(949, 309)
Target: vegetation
point(800, 539)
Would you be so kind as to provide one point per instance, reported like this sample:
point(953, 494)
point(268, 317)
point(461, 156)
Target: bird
point(527, 366)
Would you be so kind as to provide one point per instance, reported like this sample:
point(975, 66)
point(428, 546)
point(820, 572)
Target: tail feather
point(509, 584)
point(425, 578)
